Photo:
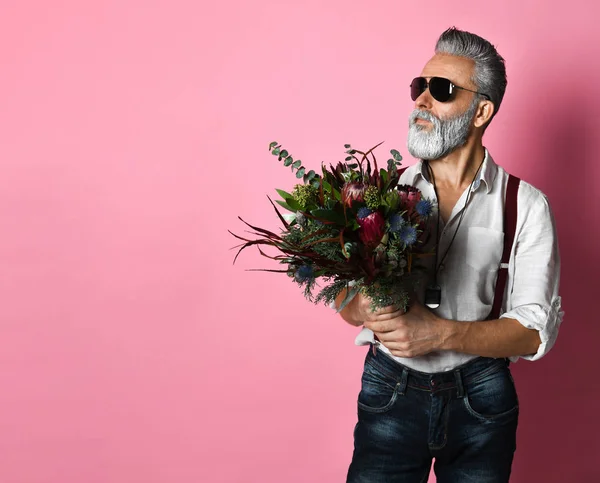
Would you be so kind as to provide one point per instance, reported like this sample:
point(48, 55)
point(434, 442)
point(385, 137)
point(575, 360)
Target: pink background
point(133, 133)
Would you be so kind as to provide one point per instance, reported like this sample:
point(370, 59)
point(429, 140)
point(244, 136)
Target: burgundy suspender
point(510, 228)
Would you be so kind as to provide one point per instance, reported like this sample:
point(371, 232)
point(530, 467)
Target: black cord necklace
point(433, 293)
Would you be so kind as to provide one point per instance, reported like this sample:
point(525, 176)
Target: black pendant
point(433, 296)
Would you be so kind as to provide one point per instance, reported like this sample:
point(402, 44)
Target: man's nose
point(424, 101)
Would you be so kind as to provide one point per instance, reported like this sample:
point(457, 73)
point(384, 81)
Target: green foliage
point(330, 292)
point(372, 198)
point(305, 195)
point(320, 239)
point(387, 292)
point(329, 250)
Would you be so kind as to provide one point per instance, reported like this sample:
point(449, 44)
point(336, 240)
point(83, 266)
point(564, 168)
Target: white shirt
point(468, 274)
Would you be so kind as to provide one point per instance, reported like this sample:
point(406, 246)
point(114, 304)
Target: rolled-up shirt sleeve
point(534, 271)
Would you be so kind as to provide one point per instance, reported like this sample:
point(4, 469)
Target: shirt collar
point(487, 173)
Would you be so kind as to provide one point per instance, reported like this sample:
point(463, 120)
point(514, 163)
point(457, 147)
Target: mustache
point(425, 115)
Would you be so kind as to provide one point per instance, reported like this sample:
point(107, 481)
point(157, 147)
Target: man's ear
point(484, 113)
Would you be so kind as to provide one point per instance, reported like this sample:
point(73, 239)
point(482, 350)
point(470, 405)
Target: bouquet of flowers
point(351, 227)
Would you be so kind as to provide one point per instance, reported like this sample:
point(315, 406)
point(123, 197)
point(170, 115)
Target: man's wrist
point(453, 333)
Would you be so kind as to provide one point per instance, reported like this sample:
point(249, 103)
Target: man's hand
point(358, 311)
point(362, 310)
point(408, 334)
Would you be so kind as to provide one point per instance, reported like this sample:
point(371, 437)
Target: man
point(436, 382)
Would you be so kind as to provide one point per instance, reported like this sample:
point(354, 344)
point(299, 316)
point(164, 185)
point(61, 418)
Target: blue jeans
point(465, 418)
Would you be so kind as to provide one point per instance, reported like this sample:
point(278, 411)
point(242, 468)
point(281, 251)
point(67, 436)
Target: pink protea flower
point(409, 197)
point(413, 198)
point(352, 192)
point(372, 226)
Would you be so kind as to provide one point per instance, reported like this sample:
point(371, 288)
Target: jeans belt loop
point(460, 391)
point(403, 381)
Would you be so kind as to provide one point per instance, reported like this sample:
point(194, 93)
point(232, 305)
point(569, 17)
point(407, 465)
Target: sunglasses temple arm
point(476, 92)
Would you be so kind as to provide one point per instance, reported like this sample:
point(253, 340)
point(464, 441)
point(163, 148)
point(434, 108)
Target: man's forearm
point(493, 338)
point(347, 312)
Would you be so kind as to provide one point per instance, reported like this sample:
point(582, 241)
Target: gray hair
point(490, 71)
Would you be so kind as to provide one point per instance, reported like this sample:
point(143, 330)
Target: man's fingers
point(381, 325)
point(382, 316)
point(391, 309)
point(397, 348)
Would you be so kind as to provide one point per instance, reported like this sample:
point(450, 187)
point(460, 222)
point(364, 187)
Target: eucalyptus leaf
point(347, 146)
point(297, 164)
point(284, 154)
point(300, 173)
point(272, 145)
point(289, 160)
point(397, 156)
point(276, 152)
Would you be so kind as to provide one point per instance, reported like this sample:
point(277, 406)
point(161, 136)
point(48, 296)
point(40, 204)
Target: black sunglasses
point(440, 88)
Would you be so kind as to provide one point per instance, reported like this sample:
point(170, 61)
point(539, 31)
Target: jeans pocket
point(378, 391)
point(493, 397)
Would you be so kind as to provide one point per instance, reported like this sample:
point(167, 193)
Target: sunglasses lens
point(439, 88)
point(417, 86)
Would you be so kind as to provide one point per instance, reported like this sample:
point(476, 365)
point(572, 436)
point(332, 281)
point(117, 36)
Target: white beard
point(445, 136)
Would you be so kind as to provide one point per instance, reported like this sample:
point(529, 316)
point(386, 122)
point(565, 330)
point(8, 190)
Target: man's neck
point(456, 171)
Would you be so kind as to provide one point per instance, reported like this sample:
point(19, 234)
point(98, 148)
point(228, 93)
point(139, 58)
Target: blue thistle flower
point(424, 208)
point(396, 222)
point(408, 234)
point(363, 213)
point(304, 273)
